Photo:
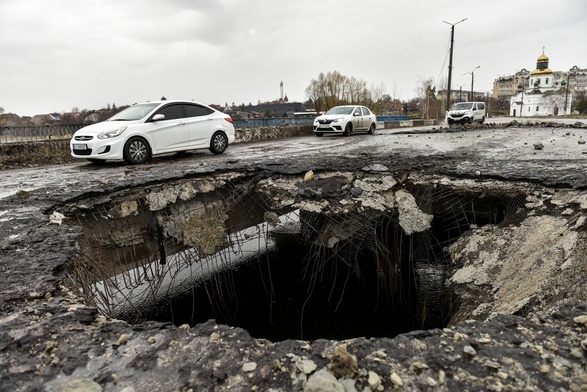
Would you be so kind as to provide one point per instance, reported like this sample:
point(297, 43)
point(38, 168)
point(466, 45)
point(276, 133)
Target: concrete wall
point(395, 124)
point(244, 135)
point(421, 123)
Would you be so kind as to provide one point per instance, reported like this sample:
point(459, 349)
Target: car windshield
point(341, 110)
point(462, 106)
point(135, 112)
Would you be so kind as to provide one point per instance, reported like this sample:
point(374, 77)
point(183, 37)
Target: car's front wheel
point(348, 129)
point(136, 150)
point(218, 143)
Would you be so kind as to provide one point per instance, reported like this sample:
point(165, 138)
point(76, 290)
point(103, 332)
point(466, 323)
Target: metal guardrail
point(37, 133)
point(393, 118)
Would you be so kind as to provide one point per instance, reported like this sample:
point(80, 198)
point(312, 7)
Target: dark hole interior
point(275, 296)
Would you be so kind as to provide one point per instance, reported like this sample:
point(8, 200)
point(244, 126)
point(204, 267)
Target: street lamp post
point(452, 39)
point(472, 79)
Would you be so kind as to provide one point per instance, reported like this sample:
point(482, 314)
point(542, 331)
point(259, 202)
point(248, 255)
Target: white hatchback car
point(346, 120)
point(146, 129)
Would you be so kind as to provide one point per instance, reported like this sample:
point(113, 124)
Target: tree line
point(333, 89)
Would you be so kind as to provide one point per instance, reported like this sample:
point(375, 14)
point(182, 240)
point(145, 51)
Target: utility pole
point(472, 79)
point(452, 40)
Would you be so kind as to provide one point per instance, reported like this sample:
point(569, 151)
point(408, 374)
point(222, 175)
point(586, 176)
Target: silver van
point(466, 112)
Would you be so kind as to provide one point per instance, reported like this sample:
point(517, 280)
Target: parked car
point(466, 112)
point(346, 120)
point(146, 129)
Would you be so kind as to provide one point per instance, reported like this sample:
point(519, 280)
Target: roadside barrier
point(57, 132)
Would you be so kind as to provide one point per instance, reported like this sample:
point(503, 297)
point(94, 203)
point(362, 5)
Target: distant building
point(545, 94)
point(42, 119)
point(9, 120)
point(577, 79)
point(73, 117)
point(506, 86)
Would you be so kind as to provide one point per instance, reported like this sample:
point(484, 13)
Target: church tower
point(543, 96)
point(542, 78)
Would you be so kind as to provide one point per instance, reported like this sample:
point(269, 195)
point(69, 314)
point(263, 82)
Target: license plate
point(80, 146)
point(324, 126)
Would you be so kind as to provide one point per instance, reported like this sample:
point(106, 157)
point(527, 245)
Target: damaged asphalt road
point(504, 335)
point(504, 152)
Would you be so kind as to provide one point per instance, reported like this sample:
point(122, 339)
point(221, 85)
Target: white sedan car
point(146, 129)
point(346, 120)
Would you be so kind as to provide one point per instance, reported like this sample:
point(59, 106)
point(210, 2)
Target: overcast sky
point(61, 54)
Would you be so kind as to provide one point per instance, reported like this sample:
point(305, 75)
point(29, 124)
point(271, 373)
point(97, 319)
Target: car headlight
point(337, 120)
point(111, 134)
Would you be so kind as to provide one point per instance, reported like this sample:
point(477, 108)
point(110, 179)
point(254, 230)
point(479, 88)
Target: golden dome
point(544, 71)
point(542, 65)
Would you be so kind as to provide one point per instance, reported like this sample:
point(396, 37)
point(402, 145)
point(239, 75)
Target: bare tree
point(377, 92)
point(313, 94)
point(430, 106)
point(380, 101)
point(357, 92)
point(334, 89)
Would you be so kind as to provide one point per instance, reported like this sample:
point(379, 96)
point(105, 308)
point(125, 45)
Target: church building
point(544, 94)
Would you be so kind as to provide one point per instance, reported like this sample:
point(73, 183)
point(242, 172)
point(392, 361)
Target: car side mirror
point(158, 117)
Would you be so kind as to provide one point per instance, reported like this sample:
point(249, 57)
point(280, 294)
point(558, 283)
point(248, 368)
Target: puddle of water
point(138, 291)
